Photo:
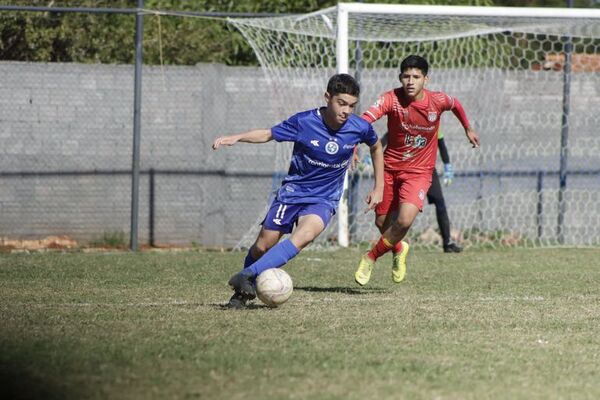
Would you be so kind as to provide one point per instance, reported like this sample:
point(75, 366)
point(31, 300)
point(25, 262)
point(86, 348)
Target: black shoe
point(242, 284)
point(452, 248)
point(237, 301)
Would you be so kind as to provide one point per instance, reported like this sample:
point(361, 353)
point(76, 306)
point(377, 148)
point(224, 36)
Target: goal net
point(529, 80)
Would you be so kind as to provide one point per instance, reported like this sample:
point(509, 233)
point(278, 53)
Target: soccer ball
point(274, 287)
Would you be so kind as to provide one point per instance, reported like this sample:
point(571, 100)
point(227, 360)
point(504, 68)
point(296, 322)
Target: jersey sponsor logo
point(431, 116)
point(332, 147)
point(421, 194)
point(410, 127)
point(349, 146)
point(417, 142)
point(321, 164)
point(315, 143)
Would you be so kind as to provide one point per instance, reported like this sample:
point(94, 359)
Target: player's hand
point(355, 159)
point(473, 137)
point(373, 199)
point(448, 174)
point(224, 141)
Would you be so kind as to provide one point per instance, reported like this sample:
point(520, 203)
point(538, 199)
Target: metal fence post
point(137, 100)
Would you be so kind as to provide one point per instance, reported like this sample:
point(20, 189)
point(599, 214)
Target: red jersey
point(412, 127)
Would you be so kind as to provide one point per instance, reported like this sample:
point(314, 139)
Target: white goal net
point(529, 80)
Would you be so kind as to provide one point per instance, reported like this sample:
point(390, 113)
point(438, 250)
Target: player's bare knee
point(399, 226)
point(258, 249)
point(302, 239)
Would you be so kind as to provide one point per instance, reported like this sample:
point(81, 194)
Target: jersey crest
point(331, 148)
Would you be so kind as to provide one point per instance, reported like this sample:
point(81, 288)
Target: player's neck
point(329, 119)
point(418, 97)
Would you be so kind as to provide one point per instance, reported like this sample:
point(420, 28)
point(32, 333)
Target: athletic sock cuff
point(387, 242)
point(290, 249)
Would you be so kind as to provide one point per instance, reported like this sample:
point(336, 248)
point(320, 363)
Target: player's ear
point(327, 97)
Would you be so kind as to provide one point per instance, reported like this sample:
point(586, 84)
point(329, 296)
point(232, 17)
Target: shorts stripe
point(281, 211)
point(278, 211)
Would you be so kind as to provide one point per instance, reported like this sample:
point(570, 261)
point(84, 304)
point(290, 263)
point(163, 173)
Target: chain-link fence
point(527, 79)
point(66, 158)
point(65, 162)
point(67, 130)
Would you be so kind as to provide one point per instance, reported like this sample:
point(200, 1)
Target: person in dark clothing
point(435, 196)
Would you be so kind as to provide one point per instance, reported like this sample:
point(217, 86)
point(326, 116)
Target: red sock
point(382, 247)
point(397, 247)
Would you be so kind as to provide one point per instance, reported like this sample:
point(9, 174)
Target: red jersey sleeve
point(451, 103)
point(459, 111)
point(380, 108)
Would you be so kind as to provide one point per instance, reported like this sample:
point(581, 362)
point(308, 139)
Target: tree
point(109, 38)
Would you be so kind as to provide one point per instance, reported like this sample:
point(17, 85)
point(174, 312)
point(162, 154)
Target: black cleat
point(452, 248)
point(237, 301)
point(242, 284)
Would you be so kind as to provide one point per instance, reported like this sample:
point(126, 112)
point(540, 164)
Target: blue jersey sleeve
point(286, 131)
point(370, 137)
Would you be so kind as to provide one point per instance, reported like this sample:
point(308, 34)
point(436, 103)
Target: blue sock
point(249, 260)
point(277, 256)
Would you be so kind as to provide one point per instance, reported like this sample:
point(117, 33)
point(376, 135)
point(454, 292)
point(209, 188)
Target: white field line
point(83, 305)
point(307, 299)
point(312, 298)
point(374, 298)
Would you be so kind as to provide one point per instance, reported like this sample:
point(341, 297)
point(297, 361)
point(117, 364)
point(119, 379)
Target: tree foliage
point(109, 38)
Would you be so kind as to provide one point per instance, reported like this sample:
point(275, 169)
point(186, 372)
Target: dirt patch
point(49, 242)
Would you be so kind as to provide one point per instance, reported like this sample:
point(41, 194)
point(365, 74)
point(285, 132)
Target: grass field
point(484, 324)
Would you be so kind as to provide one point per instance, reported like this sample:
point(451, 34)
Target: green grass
point(493, 324)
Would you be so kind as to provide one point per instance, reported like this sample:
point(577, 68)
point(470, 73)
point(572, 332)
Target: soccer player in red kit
point(413, 118)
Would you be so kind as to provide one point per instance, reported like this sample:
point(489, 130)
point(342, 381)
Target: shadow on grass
point(17, 383)
point(256, 304)
point(251, 306)
point(338, 289)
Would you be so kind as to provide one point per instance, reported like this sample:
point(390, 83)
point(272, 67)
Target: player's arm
point(459, 112)
point(376, 194)
point(253, 136)
point(373, 113)
point(378, 109)
point(355, 159)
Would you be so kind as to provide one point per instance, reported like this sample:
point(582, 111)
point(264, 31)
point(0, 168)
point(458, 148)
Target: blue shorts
point(283, 216)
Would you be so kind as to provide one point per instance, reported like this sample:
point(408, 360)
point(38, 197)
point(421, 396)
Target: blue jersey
point(320, 157)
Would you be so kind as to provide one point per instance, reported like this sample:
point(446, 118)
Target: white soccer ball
point(274, 287)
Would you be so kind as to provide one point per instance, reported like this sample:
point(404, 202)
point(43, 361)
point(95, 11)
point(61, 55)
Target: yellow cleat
point(363, 273)
point(399, 266)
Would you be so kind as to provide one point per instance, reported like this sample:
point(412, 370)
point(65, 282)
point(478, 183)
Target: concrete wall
point(65, 159)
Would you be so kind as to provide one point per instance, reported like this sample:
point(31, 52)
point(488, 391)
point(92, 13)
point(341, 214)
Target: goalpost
point(534, 181)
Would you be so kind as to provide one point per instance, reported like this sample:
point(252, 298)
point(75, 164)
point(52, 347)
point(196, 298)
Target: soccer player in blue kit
point(324, 141)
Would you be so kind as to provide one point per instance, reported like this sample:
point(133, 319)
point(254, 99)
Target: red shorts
point(403, 187)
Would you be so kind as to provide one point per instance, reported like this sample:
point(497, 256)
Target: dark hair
point(413, 61)
point(343, 84)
